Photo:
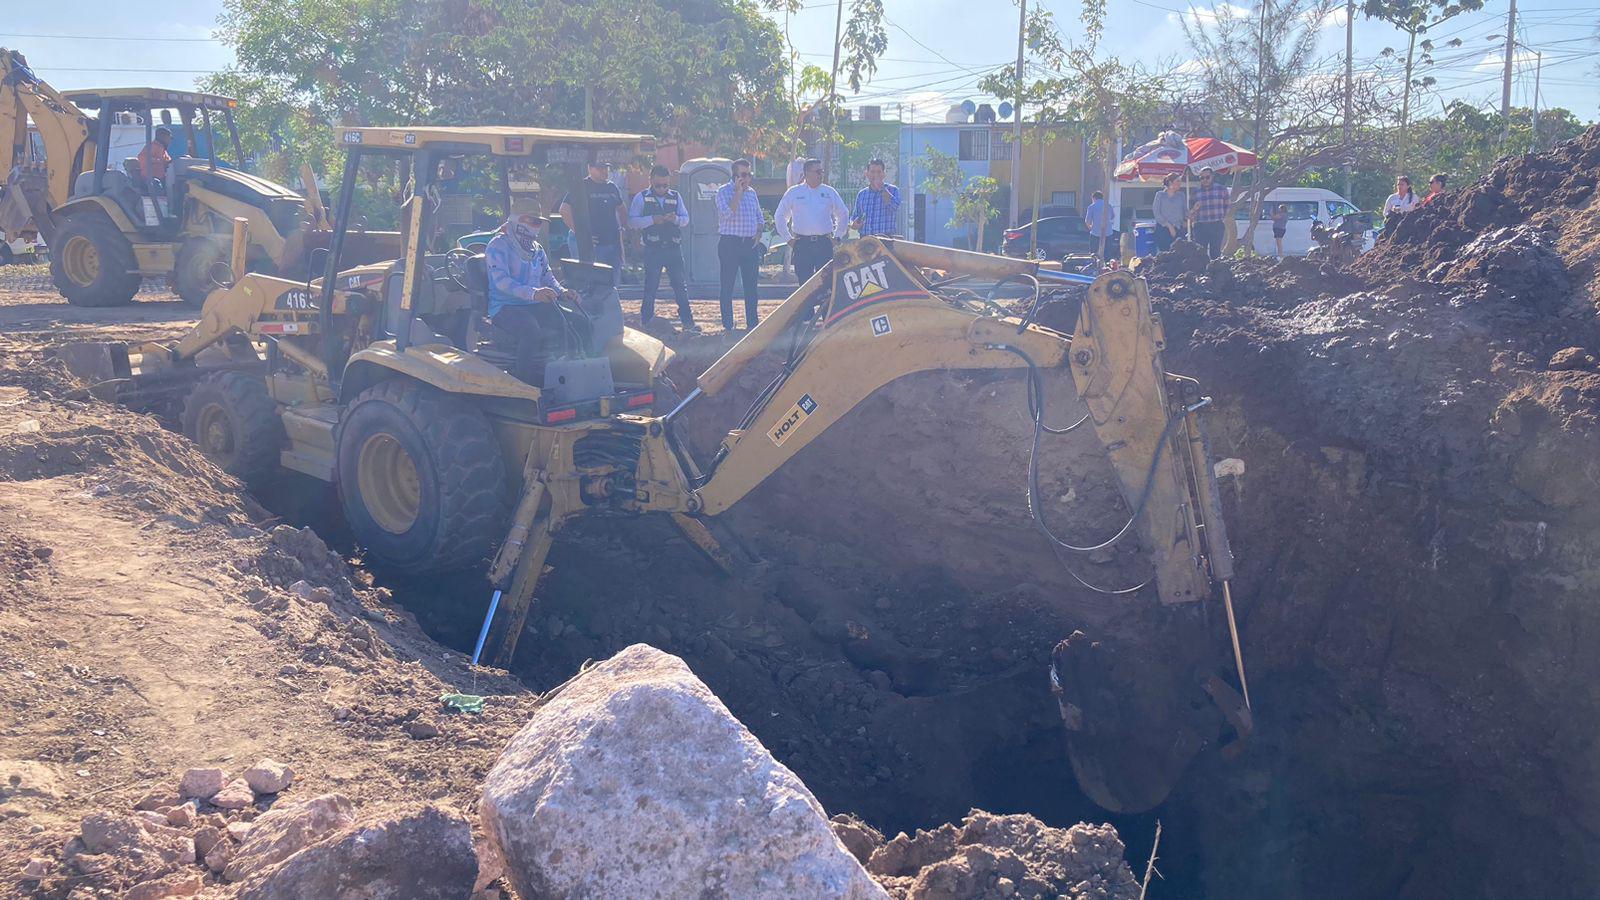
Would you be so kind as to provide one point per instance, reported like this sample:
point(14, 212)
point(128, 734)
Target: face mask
point(524, 235)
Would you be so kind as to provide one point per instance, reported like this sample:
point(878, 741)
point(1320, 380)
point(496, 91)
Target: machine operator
point(154, 159)
point(525, 298)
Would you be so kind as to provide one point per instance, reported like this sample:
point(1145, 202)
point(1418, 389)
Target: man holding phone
point(739, 248)
point(878, 204)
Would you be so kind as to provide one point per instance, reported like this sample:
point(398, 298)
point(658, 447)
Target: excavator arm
point(875, 314)
point(67, 135)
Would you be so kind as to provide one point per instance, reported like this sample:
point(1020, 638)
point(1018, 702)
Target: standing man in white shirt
point(811, 216)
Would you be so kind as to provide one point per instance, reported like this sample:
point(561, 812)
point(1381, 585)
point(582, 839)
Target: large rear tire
point(197, 258)
point(236, 424)
point(92, 263)
point(420, 478)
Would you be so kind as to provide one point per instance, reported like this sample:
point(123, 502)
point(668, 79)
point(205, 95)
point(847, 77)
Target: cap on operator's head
point(162, 129)
point(524, 230)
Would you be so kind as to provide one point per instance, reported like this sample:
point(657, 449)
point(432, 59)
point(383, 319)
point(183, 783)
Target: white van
point(1306, 205)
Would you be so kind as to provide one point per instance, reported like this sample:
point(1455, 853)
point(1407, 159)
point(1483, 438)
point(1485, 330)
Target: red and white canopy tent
point(1167, 154)
point(1170, 154)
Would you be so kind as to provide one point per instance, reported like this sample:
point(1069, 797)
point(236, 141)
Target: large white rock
point(635, 781)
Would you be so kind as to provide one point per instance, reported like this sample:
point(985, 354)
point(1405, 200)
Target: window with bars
point(974, 145)
point(999, 145)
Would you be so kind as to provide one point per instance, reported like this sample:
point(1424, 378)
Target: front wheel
point(234, 421)
point(92, 263)
point(420, 478)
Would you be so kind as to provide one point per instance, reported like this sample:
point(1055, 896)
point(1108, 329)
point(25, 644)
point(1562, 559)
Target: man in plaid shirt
point(1210, 211)
point(739, 249)
point(877, 205)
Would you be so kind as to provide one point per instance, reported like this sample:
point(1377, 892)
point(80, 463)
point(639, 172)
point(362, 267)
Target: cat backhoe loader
point(387, 381)
point(108, 224)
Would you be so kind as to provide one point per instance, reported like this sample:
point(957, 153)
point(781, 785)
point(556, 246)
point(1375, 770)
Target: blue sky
point(937, 48)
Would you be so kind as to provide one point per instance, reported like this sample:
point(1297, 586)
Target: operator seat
point(393, 287)
point(117, 187)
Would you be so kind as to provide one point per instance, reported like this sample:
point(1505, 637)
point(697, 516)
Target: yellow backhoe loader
point(109, 224)
point(387, 381)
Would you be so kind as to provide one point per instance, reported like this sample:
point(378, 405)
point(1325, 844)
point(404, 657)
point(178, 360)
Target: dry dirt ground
point(1415, 529)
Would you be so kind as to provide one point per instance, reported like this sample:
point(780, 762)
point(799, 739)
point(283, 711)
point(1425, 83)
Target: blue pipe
point(483, 634)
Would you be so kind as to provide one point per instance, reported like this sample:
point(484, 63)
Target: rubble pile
point(993, 857)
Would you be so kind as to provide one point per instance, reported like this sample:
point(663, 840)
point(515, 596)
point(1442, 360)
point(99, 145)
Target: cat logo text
point(792, 420)
point(872, 278)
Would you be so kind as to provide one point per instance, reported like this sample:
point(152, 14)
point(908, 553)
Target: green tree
point(1463, 144)
point(703, 70)
point(1415, 17)
point(971, 196)
point(1078, 91)
point(1258, 70)
point(277, 131)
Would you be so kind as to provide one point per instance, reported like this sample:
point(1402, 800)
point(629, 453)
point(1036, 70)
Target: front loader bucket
point(23, 201)
point(102, 366)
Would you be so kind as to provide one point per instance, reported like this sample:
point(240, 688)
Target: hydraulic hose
point(1036, 405)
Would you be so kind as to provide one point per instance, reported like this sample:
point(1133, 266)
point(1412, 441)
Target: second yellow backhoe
point(109, 225)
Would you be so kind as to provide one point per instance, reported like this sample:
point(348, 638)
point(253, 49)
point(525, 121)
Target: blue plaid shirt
point(746, 221)
point(876, 216)
point(513, 277)
point(1212, 202)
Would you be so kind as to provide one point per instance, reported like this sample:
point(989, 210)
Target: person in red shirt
point(153, 159)
point(1435, 188)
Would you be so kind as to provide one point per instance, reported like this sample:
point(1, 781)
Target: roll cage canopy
point(421, 149)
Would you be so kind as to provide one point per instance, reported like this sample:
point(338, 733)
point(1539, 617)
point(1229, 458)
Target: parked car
point(1306, 205)
point(1058, 236)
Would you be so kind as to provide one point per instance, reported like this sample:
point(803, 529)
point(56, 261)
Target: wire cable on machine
point(1035, 505)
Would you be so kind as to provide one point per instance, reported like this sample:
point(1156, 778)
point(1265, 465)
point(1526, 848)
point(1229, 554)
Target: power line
point(109, 37)
point(146, 71)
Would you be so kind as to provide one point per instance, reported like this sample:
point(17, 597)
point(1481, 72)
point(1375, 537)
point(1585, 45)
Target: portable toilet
point(698, 181)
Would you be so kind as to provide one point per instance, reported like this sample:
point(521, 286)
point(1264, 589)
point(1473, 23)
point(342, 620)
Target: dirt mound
point(1515, 230)
point(990, 857)
point(156, 618)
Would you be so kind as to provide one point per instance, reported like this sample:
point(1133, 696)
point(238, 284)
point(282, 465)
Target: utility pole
point(1538, 68)
point(833, 90)
point(1505, 86)
point(1016, 114)
point(1349, 88)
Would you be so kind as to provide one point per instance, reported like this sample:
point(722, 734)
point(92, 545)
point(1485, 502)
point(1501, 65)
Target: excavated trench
point(1416, 535)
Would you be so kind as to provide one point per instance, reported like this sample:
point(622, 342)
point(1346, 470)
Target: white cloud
point(1205, 17)
point(1495, 60)
point(926, 106)
point(1336, 17)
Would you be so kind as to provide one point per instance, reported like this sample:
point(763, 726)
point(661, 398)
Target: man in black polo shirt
point(660, 216)
point(607, 216)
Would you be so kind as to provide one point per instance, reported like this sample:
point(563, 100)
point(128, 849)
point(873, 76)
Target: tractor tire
point(191, 276)
point(420, 478)
point(236, 424)
point(6, 256)
point(92, 263)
